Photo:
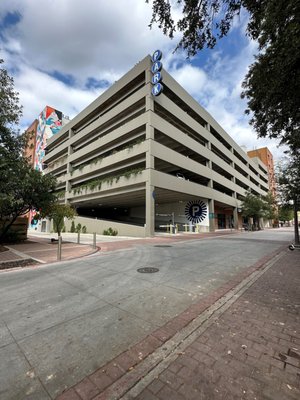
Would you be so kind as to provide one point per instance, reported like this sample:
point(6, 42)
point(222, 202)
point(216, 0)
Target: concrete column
point(148, 75)
point(71, 133)
point(211, 208)
point(149, 138)
point(235, 218)
point(150, 209)
point(69, 166)
point(149, 103)
point(149, 131)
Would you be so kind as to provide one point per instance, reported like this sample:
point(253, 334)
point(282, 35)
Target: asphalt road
point(60, 322)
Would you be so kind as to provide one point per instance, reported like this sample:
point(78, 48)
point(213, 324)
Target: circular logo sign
point(157, 89)
point(157, 66)
point(156, 56)
point(196, 211)
point(157, 77)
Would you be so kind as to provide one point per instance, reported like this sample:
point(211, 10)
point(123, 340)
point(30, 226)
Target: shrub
point(110, 232)
point(78, 228)
point(84, 230)
point(73, 227)
point(64, 229)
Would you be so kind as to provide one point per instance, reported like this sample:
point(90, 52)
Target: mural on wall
point(194, 212)
point(49, 123)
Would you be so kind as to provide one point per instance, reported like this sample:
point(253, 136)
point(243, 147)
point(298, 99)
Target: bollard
point(59, 248)
point(78, 237)
point(94, 240)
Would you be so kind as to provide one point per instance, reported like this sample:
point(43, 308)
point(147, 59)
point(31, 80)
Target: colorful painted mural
point(49, 123)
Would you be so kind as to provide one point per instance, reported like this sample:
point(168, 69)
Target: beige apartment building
point(137, 162)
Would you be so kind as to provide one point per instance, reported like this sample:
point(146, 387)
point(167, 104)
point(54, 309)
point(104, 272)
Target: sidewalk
point(240, 342)
point(36, 251)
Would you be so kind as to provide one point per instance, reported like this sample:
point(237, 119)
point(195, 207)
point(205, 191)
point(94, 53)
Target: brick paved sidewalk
point(42, 251)
point(250, 351)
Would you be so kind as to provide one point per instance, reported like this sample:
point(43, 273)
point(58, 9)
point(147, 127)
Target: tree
point(272, 83)
point(258, 207)
point(288, 176)
point(21, 188)
point(285, 213)
point(57, 212)
point(10, 110)
point(270, 206)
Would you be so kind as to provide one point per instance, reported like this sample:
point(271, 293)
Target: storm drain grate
point(147, 270)
point(162, 245)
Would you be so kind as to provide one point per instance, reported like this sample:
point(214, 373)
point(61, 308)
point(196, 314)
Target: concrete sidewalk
point(240, 342)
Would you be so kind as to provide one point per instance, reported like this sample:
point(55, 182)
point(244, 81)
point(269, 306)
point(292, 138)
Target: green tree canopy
point(288, 177)
point(256, 207)
point(285, 213)
point(21, 188)
point(57, 212)
point(272, 84)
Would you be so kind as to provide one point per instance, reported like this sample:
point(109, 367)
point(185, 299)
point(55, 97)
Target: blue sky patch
point(93, 83)
point(11, 18)
point(67, 79)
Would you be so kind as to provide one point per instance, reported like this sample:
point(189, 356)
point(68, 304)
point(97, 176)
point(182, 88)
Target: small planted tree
point(78, 228)
point(285, 213)
point(72, 230)
point(257, 207)
point(58, 212)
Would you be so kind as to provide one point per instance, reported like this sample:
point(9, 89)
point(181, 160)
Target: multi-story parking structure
point(147, 161)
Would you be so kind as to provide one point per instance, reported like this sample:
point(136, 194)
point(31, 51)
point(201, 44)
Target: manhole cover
point(147, 270)
point(162, 245)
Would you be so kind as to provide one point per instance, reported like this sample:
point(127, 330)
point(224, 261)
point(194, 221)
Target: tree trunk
point(296, 226)
point(6, 228)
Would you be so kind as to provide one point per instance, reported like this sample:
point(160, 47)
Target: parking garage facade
point(150, 161)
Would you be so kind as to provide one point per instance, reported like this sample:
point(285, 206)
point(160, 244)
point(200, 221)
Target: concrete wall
point(98, 226)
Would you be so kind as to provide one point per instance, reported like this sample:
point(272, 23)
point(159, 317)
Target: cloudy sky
point(65, 53)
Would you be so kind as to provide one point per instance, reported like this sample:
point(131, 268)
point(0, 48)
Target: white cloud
point(38, 89)
point(103, 40)
point(84, 39)
point(217, 87)
point(91, 39)
point(193, 78)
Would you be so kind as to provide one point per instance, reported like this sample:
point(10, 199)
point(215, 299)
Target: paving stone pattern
point(251, 352)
